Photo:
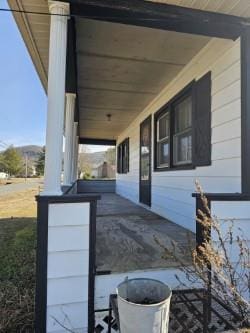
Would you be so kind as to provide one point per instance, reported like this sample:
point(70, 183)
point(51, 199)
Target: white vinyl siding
point(171, 190)
point(68, 267)
point(235, 214)
point(107, 284)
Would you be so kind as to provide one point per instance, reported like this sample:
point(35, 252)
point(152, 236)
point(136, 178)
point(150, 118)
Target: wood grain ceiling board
point(125, 67)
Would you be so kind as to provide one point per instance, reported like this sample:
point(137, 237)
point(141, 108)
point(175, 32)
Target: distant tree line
point(40, 163)
point(13, 163)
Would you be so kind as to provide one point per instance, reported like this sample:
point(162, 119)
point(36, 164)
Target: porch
point(126, 236)
point(112, 69)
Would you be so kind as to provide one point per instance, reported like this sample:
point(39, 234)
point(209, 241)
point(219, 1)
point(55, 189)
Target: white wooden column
point(56, 97)
point(74, 149)
point(76, 157)
point(69, 125)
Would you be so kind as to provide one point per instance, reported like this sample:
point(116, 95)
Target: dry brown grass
point(19, 204)
point(16, 180)
point(17, 260)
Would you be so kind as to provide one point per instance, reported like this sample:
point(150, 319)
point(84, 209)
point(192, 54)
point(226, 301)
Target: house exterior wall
point(239, 227)
point(234, 220)
point(171, 190)
point(105, 285)
point(68, 267)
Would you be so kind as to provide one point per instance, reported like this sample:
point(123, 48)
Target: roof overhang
point(35, 32)
point(121, 53)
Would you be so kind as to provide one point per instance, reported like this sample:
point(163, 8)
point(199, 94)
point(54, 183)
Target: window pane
point(145, 167)
point(183, 115)
point(183, 148)
point(163, 126)
point(163, 153)
point(123, 158)
point(145, 140)
point(120, 158)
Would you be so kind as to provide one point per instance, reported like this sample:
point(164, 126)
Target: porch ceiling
point(122, 68)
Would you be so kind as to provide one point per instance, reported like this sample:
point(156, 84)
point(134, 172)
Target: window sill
point(175, 168)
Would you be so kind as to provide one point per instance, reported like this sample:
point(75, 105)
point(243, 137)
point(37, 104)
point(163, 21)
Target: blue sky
point(22, 98)
point(23, 102)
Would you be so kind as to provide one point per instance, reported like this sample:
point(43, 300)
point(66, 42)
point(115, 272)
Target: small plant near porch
point(221, 263)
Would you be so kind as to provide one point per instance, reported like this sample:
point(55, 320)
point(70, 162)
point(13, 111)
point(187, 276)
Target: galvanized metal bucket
point(143, 306)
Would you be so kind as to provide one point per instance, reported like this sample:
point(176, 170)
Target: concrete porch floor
point(126, 233)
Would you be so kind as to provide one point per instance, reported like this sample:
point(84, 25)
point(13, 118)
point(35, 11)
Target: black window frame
point(169, 107)
point(123, 157)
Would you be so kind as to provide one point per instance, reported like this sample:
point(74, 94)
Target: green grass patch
point(17, 274)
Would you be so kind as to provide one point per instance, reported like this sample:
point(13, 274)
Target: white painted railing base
point(68, 267)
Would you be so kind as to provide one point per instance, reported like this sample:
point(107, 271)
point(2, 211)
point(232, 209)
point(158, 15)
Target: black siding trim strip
point(103, 273)
point(71, 70)
point(224, 196)
point(92, 268)
point(41, 268)
point(68, 198)
point(245, 111)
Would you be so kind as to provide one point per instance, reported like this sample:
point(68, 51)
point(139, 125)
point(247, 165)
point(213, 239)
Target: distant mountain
point(94, 158)
point(31, 151)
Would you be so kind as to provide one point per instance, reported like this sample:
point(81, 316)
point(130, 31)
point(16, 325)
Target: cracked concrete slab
point(127, 233)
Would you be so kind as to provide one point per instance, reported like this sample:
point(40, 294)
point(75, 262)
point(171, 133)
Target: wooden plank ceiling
point(120, 68)
point(233, 7)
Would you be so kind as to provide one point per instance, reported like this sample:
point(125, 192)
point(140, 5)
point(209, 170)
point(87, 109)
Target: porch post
point(76, 157)
point(74, 149)
point(69, 139)
point(56, 97)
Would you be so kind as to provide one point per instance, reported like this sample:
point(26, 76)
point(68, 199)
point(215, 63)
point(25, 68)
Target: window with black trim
point(123, 157)
point(182, 136)
point(174, 133)
point(183, 128)
point(163, 140)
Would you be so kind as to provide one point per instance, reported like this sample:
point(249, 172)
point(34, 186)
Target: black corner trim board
point(71, 80)
point(245, 111)
point(41, 267)
point(71, 70)
point(92, 268)
point(42, 256)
